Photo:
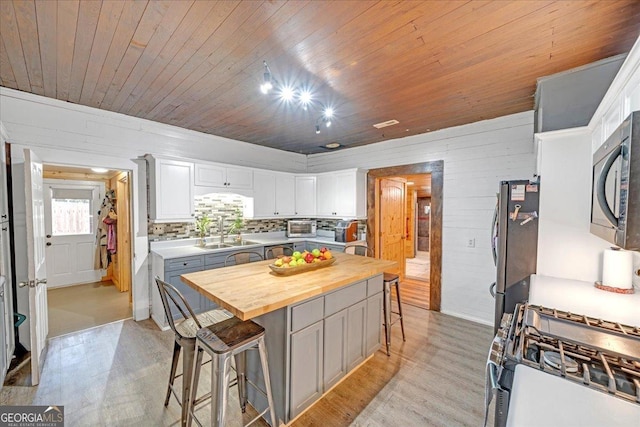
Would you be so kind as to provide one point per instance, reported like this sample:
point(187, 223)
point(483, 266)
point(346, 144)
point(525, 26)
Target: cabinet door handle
point(48, 243)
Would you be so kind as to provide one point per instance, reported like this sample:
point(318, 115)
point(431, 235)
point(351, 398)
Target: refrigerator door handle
point(494, 224)
point(492, 290)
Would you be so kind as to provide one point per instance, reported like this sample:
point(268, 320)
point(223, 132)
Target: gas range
point(594, 353)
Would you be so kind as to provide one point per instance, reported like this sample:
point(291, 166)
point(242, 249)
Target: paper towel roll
point(617, 269)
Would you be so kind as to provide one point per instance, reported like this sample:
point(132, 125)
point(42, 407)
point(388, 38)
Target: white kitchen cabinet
point(273, 194)
point(170, 190)
point(341, 194)
point(305, 196)
point(223, 176)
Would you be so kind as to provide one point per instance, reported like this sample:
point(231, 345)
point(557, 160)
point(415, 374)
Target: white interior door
point(37, 270)
point(70, 226)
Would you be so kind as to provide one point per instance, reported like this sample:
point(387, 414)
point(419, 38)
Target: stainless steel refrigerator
point(514, 242)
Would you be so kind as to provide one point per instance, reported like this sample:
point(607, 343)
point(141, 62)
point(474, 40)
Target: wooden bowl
point(288, 271)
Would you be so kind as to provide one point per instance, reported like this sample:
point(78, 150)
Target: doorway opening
point(88, 247)
point(420, 270)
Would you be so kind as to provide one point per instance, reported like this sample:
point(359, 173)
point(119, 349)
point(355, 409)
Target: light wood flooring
point(415, 286)
point(414, 292)
point(116, 374)
point(79, 307)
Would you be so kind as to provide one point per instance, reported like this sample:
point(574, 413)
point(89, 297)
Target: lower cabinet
point(356, 334)
point(335, 348)
point(331, 335)
point(306, 367)
point(374, 320)
point(314, 245)
point(191, 295)
point(300, 246)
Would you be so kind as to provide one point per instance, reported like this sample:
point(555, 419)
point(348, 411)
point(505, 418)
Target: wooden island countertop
point(250, 290)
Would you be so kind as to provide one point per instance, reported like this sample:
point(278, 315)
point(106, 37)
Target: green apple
point(296, 255)
point(316, 252)
point(293, 263)
point(301, 261)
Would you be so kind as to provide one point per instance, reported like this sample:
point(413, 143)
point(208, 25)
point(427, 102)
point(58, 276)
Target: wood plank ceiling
point(198, 64)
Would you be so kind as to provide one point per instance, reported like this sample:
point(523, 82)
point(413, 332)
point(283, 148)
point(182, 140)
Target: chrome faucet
point(221, 228)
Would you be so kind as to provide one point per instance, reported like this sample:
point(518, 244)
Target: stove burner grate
point(555, 360)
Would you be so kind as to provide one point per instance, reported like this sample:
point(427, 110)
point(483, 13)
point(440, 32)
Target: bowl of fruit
point(300, 262)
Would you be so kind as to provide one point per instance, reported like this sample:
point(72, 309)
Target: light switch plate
point(158, 228)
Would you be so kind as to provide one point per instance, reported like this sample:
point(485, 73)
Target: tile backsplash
point(215, 205)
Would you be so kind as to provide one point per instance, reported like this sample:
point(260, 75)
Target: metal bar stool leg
point(174, 366)
point(400, 309)
point(241, 369)
point(188, 355)
point(195, 376)
point(262, 348)
point(220, 382)
point(387, 316)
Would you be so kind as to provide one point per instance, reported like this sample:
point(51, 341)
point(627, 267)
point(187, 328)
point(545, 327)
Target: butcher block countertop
point(250, 290)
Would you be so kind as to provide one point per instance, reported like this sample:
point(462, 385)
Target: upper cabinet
point(173, 185)
point(273, 194)
point(341, 194)
point(305, 195)
point(170, 190)
point(226, 177)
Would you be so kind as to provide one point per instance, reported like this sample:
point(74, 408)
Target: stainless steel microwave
point(615, 200)
point(301, 228)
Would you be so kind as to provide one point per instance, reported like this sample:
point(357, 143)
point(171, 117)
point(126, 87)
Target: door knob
point(32, 283)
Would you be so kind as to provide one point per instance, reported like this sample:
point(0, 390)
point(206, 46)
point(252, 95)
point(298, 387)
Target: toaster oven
point(301, 228)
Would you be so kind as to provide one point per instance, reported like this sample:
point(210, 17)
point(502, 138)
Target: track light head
point(317, 129)
point(266, 86)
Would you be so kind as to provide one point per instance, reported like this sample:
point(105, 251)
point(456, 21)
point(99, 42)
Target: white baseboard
point(467, 317)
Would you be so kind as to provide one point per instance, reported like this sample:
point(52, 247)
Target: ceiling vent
point(385, 124)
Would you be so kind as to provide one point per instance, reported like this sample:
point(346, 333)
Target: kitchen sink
point(216, 246)
point(242, 243)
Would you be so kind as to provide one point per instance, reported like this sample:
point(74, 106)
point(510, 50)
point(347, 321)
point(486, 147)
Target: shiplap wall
point(37, 121)
point(476, 157)
point(69, 134)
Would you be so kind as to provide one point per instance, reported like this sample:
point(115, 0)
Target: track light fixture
point(324, 118)
point(266, 85)
point(288, 94)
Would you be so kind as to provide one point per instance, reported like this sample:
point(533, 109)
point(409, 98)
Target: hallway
point(79, 307)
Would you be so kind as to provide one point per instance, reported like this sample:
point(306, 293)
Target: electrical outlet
point(471, 243)
point(158, 228)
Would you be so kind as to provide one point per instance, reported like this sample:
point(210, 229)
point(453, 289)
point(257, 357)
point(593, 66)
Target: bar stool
point(357, 249)
point(277, 251)
point(184, 339)
point(243, 257)
point(390, 280)
point(232, 337)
